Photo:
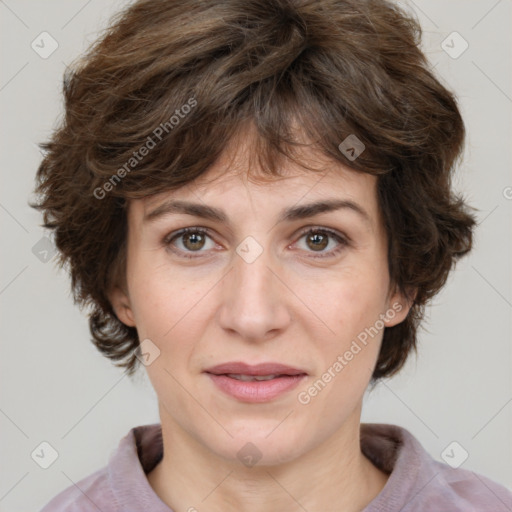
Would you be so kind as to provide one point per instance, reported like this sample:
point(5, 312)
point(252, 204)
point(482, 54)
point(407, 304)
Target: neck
point(334, 475)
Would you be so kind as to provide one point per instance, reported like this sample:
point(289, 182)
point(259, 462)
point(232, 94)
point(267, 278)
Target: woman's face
point(269, 278)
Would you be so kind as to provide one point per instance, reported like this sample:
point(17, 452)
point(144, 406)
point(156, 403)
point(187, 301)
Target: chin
point(259, 445)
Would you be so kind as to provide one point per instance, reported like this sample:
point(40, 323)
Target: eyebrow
point(288, 214)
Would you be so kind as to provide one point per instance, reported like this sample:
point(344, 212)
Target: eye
point(317, 239)
point(192, 240)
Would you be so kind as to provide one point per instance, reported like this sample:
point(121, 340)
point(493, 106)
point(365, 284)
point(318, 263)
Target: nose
point(254, 301)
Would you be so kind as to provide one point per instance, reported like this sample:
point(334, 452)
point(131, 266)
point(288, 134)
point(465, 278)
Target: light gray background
point(56, 387)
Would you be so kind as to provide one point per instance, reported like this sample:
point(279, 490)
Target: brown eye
point(317, 241)
point(188, 241)
point(193, 241)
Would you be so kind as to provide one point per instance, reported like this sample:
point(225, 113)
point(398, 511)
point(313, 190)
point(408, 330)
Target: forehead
point(312, 172)
point(237, 185)
point(226, 183)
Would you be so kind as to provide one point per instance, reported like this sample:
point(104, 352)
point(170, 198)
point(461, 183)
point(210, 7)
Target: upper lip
point(241, 368)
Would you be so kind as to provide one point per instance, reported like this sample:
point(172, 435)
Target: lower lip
point(256, 391)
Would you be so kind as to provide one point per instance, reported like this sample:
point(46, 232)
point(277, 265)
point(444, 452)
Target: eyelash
point(342, 240)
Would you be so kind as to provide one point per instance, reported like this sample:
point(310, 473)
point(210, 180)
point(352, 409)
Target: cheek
point(165, 303)
point(168, 312)
point(348, 331)
point(348, 348)
point(345, 301)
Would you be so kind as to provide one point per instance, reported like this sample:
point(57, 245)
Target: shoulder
point(122, 483)
point(91, 493)
point(419, 483)
point(465, 490)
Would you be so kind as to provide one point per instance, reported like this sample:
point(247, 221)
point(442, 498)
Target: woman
point(254, 197)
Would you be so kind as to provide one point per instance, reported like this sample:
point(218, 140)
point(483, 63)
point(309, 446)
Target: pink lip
point(257, 369)
point(255, 391)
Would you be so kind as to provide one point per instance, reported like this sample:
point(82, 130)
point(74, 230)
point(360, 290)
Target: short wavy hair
point(185, 76)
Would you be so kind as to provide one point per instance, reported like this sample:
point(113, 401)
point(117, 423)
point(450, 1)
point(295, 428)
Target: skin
point(287, 306)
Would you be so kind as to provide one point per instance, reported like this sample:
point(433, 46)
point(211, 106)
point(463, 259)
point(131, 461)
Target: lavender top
point(417, 482)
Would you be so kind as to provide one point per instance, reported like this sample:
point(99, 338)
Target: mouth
point(255, 383)
point(251, 378)
point(266, 370)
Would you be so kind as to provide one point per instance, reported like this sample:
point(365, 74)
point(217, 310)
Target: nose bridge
point(252, 262)
point(253, 303)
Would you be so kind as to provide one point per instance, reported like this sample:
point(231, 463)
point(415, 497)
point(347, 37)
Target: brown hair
point(185, 76)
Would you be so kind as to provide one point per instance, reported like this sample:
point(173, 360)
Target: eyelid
point(331, 231)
